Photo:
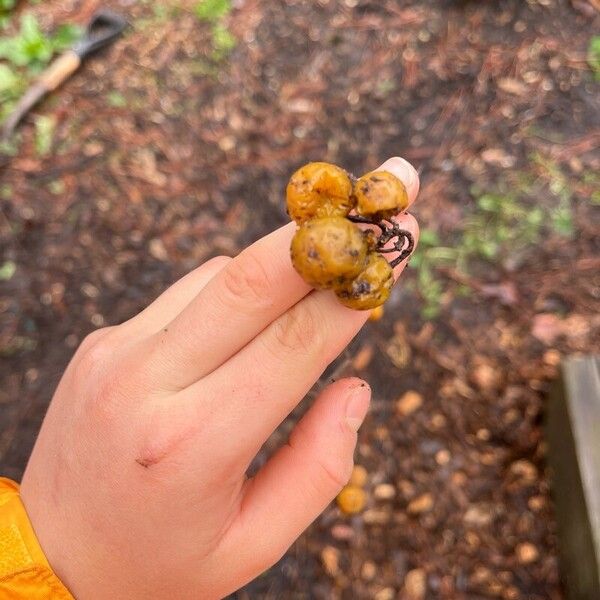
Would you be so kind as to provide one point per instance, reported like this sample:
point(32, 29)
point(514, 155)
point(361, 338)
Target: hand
point(136, 487)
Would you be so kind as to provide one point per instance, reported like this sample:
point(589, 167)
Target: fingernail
point(357, 406)
point(402, 169)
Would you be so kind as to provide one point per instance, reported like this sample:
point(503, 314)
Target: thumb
point(302, 478)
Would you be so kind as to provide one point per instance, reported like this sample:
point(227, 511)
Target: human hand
point(136, 487)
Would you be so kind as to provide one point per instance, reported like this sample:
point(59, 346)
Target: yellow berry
point(351, 499)
point(319, 189)
point(328, 251)
point(380, 195)
point(371, 288)
point(376, 314)
point(359, 476)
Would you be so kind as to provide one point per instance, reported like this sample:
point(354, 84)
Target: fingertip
point(402, 169)
point(409, 223)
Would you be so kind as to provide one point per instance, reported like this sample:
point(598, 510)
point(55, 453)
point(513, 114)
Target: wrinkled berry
point(328, 251)
point(380, 195)
point(371, 288)
point(319, 189)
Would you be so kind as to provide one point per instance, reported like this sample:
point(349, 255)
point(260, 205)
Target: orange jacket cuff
point(25, 573)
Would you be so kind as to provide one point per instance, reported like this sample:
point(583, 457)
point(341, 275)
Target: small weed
point(56, 187)
point(116, 99)
point(213, 12)
point(6, 191)
point(7, 270)
point(25, 55)
point(44, 133)
point(501, 225)
point(594, 56)
point(5, 7)
point(428, 256)
point(32, 48)
point(223, 41)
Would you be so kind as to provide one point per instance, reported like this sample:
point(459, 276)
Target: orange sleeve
point(25, 573)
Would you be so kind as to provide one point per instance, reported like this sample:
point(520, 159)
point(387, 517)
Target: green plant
point(501, 223)
point(213, 12)
point(594, 55)
point(7, 270)
point(25, 54)
point(5, 7)
point(44, 132)
point(31, 47)
point(428, 256)
point(223, 41)
point(116, 99)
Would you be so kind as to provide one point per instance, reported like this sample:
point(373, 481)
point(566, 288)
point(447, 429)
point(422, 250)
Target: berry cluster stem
point(404, 241)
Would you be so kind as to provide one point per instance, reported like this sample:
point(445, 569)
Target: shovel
point(104, 27)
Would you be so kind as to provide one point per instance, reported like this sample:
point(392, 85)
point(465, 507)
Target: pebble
point(410, 402)
point(384, 491)
point(536, 503)
point(525, 470)
point(415, 584)
point(330, 557)
point(442, 457)
point(342, 532)
point(438, 421)
point(486, 377)
point(385, 594)
point(368, 570)
point(552, 357)
point(458, 478)
point(478, 515)
point(421, 504)
point(363, 358)
point(157, 249)
point(376, 517)
point(527, 553)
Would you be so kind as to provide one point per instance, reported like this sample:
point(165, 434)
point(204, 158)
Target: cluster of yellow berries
point(329, 250)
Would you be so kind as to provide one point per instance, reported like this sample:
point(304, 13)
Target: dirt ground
point(164, 155)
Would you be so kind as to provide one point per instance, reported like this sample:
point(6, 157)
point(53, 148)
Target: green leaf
point(562, 219)
point(6, 5)
point(66, 35)
point(44, 132)
point(223, 40)
point(594, 55)
point(428, 237)
point(212, 10)
point(7, 270)
point(116, 99)
point(8, 80)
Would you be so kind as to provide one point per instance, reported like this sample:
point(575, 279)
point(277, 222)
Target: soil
point(163, 157)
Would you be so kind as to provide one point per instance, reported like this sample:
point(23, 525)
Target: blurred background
point(175, 145)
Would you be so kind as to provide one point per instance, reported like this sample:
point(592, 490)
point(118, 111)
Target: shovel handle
point(60, 70)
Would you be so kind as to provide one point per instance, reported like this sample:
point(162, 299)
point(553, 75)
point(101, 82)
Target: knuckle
point(299, 331)
point(334, 475)
point(93, 353)
point(331, 473)
point(246, 280)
